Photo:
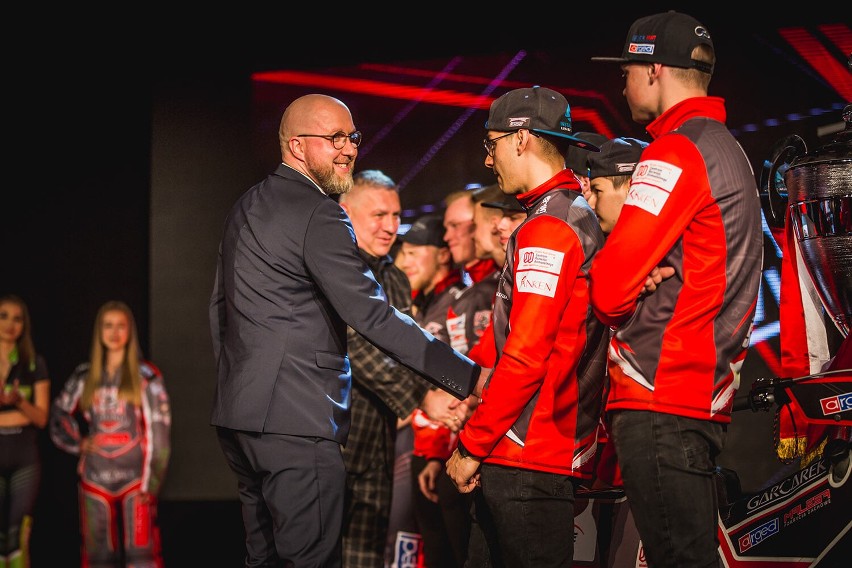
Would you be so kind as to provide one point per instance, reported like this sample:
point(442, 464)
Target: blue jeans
point(522, 518)
point(667, 463)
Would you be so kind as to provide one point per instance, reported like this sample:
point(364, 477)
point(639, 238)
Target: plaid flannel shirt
point(382, 391)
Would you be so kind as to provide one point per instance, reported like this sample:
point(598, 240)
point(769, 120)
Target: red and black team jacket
point(458, 316)
point(541, 404)
point(692, 205)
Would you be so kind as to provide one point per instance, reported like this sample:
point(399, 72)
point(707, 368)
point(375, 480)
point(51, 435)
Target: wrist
point(464, 452)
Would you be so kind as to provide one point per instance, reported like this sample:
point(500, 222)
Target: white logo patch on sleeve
point(653, 181)
point(536, 282)
point(538, 270)
point(538, 258)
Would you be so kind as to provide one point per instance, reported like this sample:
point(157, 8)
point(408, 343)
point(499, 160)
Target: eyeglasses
point(490, 143)
point(338, 139)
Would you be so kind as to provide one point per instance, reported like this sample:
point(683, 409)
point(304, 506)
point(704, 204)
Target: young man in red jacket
point(533, 436)
point(674, 360)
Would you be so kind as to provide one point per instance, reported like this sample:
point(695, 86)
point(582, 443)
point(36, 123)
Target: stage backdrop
point(422, 120)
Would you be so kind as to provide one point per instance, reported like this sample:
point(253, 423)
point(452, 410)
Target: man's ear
point(444, 256)
point(654, 72)
point(296, 148)
point(523, 136)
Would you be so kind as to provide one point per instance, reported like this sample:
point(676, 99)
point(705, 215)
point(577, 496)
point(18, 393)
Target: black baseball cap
point(538, 109)
point(507, 202)
point(575, 158)
point(486, 193)
point(666, 38)
point(427, 230)
point(492, 196)
point(618, 157)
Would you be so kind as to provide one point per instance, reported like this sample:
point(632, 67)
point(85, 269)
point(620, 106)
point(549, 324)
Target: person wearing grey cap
point(532, 438)
point(693, 216)
point(609, 177)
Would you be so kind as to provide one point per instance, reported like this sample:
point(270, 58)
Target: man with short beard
point(289, 280)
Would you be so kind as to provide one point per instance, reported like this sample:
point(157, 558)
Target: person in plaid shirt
point(382, 389)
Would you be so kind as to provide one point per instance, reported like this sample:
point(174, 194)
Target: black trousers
point(522, 519)
point(667, 463)
point(291, 490)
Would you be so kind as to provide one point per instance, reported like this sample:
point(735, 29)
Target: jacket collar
point(565, 179)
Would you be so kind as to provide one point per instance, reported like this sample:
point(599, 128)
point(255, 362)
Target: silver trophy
point(818, 191)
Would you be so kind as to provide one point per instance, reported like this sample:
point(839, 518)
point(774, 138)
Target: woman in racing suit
point(123, 445)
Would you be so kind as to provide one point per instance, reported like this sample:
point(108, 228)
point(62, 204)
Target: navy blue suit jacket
point(289, 279)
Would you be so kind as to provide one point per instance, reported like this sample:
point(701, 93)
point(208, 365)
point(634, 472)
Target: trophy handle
point(772, 188)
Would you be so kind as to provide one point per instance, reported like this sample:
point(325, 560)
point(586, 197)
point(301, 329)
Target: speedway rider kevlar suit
point(123, 472)
point(541, 404)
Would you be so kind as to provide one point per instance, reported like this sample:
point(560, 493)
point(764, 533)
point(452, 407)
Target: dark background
point(126, 148)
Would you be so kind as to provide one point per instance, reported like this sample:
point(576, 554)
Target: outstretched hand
point(443, 407)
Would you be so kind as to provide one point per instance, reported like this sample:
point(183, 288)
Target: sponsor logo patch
point(641, 48)
point(811, 504)
point(652, 183)
point(759, 534)
point(536, 282)
point(538, 258)
point(407, 550)
point(783, 489)
point(835, 404)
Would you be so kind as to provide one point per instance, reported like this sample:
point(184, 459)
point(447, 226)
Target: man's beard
point(332, 183)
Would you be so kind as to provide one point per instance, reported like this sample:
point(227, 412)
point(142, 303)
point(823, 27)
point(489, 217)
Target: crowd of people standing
point(582, 334)
point(530, 326)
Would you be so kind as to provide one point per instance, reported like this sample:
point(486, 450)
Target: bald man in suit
point(288, 282)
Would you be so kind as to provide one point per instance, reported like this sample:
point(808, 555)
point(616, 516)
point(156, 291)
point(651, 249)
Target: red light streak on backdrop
point(823, 61)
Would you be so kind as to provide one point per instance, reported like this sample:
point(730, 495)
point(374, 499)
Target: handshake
point(446, 409)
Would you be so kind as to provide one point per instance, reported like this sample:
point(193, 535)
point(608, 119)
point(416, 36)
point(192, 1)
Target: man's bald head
point(311, 114)
point(305, 136)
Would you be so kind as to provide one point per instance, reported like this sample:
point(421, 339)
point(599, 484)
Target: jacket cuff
point(463, 452)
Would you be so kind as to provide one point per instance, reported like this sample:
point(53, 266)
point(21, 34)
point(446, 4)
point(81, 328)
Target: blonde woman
point(24, 402)
point(125, 448)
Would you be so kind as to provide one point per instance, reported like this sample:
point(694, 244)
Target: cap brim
point(503, 206)
point(610, 59)
point(578, 142)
